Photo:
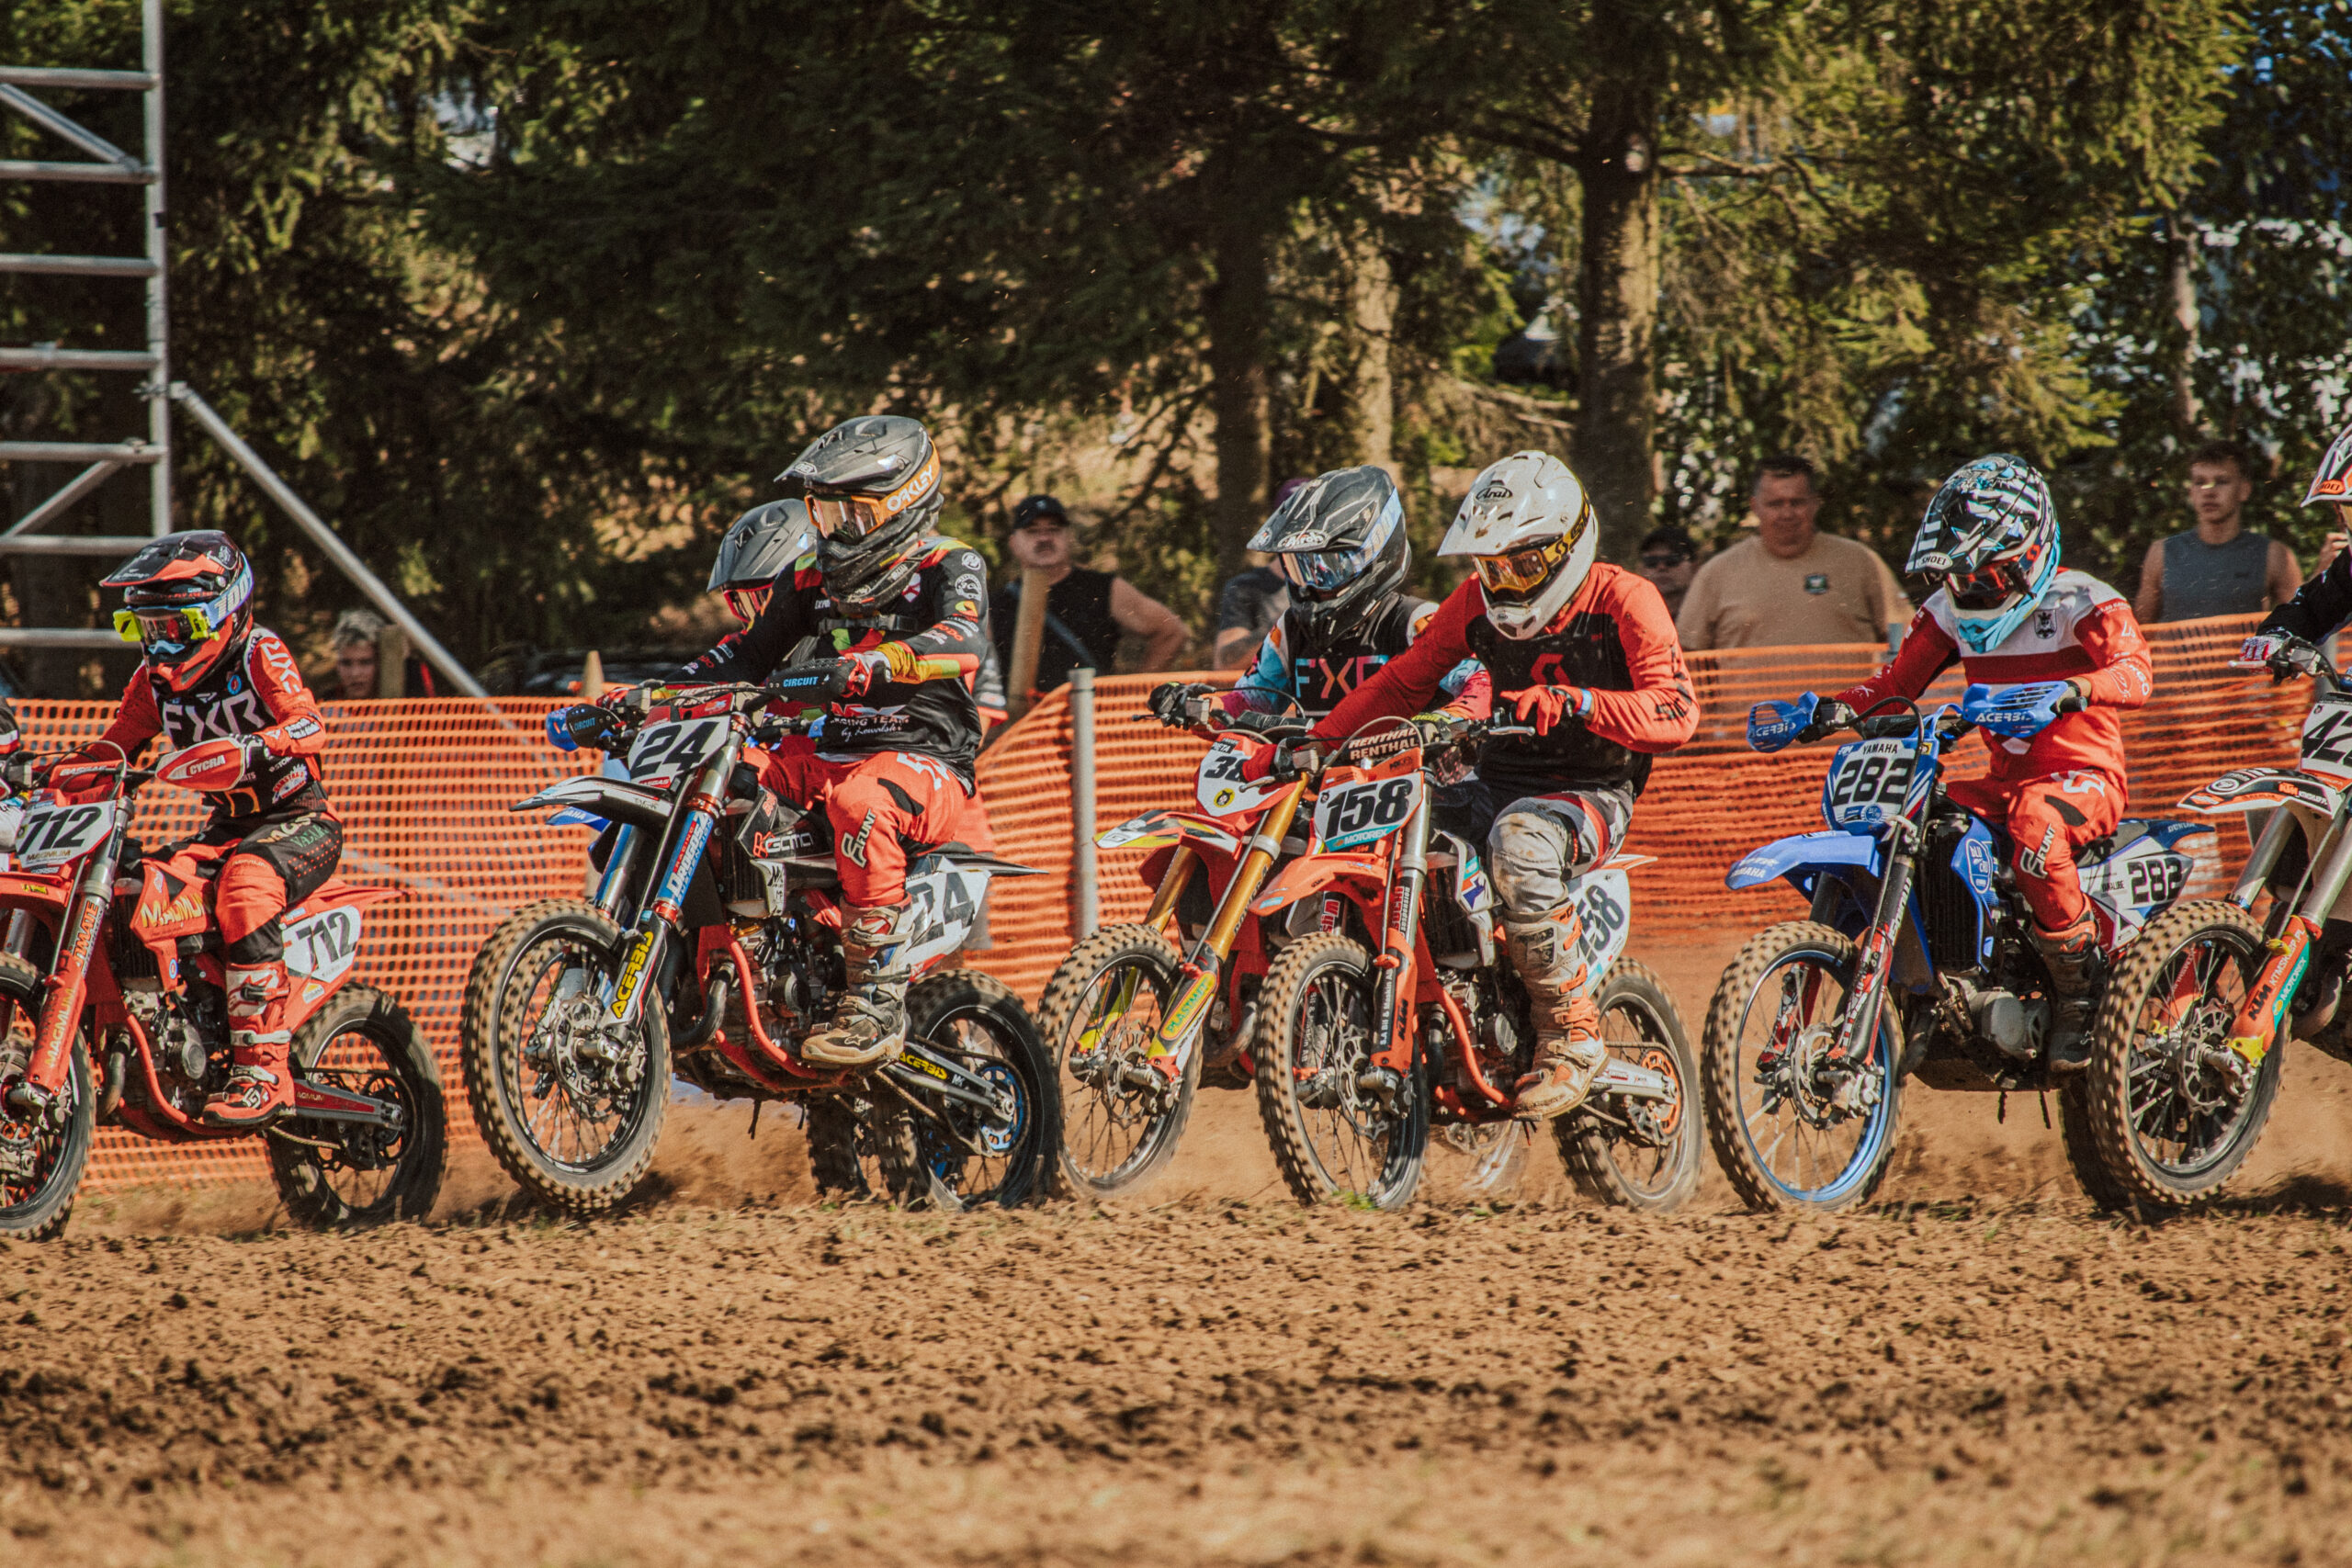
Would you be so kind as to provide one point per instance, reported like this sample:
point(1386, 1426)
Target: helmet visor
point(1319, 574)
point(1523, 570)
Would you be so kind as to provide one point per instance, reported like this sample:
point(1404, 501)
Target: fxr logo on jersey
point(203, 716)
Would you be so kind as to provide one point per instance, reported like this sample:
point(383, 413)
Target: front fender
point(1312, 873)
point(608, 799)
point(1805, 852)
point(2258, 789)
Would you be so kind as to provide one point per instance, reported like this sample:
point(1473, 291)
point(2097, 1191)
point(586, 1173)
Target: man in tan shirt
point(1788, 584)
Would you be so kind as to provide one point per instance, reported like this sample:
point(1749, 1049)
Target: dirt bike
point(2193, 1071)
point(1389, 1013)
point(1132, 1020)
point(1914, 962)
point(708, 951)
point(113, 958)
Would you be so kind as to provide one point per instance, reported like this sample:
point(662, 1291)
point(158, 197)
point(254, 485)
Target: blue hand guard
point(559, 730)
point(1773, 726)
point(2017, 713)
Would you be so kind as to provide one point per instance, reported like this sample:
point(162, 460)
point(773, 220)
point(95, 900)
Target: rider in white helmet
point(1587, 654)
point(2067, 648)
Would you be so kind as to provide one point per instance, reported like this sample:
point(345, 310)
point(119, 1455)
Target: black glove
point(1829, 716)
point(2074, 701)
point(584, 724)
point(1169, 700)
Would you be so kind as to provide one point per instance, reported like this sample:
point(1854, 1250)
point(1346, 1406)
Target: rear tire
point(1114, 1137)
point(36, 1207)
point(1639, 1025)
point(556, 937)
point(2146, 1088)
point(1314, 1036)
point(412, 1159)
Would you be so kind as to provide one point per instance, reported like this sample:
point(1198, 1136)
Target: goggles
point(745, 603)
point(169, 631)
point(1522, 570)
point(1319, 574)
point(852, 517)
point(1994, 583)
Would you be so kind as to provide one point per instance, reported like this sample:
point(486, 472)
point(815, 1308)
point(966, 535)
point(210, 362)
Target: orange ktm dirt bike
point(708, 952)
point(1139, 1014)
point(111, 992)
point(1395, 1014)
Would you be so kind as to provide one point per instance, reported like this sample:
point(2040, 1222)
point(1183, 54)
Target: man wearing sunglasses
point(2068, 648)
point(1585, 654)
point(210, 673)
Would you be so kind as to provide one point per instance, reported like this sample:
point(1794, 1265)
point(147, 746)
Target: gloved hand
point(2283, 653)
point(1439, 728)
point(582, 724)
point(1546, 707)
point(855, 674)
point(1829, 716)
point(1171, 703)
point(2020, 713)
point(21, 773)
point(1285, 759)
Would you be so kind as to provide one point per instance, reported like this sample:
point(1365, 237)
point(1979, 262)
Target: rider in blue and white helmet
point(1990, 538)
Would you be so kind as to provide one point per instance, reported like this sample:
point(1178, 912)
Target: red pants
point(880, 807)
point(2048, 820)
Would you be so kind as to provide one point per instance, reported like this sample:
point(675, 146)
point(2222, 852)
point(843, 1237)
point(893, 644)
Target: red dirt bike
point(113, 958)
point(1139, 1013)
point(1395, 1014)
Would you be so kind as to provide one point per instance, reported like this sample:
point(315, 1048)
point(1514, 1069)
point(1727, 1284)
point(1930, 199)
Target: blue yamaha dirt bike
point(1914, 961)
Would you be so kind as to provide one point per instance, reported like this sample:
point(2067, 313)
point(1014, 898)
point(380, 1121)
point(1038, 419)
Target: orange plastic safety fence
point(423, 789)
point(1705, 805)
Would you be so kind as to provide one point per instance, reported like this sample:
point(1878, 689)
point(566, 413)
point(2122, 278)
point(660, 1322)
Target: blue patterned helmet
point(1990, 541)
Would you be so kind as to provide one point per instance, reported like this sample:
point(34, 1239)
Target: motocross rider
point(2313, 615)
point(210, 673)
point(2067, 648)
point(1587, 654)
point(1338, 543)
point(904, 612)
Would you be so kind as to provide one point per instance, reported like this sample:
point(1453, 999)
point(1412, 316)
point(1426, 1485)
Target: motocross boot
point(261, 1082)
point(2071, 957)
point(867, 1020)
point(1569, 1053)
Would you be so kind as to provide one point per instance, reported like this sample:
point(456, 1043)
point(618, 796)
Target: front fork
point(1205, 965)
point(61, 1007)
point(2264, 1011)
point(1393, 992)
point(1858, 1031)
point(683, 845)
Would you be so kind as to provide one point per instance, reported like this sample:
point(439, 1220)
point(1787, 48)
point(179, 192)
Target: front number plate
point(53, 833)
point(1869, 781)
point(2327, 738)
point(1360, 813)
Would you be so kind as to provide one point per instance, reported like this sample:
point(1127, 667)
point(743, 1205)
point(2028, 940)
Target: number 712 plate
point(53, 833)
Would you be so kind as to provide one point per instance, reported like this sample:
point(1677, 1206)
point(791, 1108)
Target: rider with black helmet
point(1338, 543)
point(905, 611)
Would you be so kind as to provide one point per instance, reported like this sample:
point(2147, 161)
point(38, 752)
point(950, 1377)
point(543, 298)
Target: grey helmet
point(872, 489)
point(759, 546)
point(1339, 541)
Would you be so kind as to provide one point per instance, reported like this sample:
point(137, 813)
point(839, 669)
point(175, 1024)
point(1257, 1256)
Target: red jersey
point(1614, 640)
point(254, 690)
point(2082, 630)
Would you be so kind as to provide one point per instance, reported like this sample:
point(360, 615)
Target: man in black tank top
point(1085, 611)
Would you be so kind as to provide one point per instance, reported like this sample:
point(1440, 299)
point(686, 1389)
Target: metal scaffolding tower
point(105, 163)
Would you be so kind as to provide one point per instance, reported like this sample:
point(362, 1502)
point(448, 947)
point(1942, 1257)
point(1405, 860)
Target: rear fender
point(322, 936)
point(2258, 789)
point(1311, 874)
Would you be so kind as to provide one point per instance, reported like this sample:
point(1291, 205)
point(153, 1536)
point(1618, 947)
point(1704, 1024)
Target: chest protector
point(227, 701)
point(1325, 669)
point(1585, 650)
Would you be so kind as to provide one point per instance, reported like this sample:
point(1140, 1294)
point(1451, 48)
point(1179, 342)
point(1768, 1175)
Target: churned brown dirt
point(1980, 1368)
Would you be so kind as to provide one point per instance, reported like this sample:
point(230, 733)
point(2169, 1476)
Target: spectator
point(1790, 584)
point(1250, 603)
point(2216, 568)
point(1669, 560)
point(355, 639)
point(1085, 611)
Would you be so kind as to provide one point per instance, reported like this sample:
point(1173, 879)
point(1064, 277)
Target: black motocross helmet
point(759, 546)
point(872, 489)
point(1339, 542)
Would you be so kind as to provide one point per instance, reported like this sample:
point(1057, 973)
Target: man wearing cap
point(1085, 611)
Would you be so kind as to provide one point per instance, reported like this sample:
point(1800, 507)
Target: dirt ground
point(1979, 1368)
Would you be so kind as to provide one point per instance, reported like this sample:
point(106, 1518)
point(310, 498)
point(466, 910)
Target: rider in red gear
point(1588, 655)
point(210, 674)
point(905, 613)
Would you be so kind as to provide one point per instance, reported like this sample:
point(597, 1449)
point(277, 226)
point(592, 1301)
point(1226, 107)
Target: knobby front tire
point(1110, 1144)
point(36, 1207)
point(1314, 1036)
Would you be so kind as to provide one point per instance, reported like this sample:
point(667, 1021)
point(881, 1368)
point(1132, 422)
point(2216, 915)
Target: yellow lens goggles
point(162, 626)
point(1520, 572)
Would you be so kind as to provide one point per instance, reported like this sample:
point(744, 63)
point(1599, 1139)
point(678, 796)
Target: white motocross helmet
point(1528, 526)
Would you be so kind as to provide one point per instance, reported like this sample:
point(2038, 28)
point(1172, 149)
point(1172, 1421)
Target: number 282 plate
point(1867, 782)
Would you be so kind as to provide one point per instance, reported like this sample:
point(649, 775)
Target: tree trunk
point(1372, 393)
point(1617, 295)
point(1241, 307)
point(2180, 252)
